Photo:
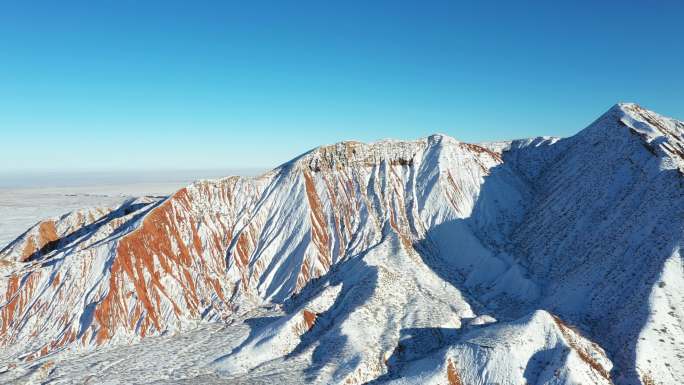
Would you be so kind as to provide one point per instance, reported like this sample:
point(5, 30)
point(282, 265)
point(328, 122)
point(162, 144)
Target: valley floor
point(184, 358)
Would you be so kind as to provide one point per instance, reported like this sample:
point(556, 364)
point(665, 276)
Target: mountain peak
point(640, 118)
point(438, 137)
point(621, 109)
point(353, 152)
point(662, 136)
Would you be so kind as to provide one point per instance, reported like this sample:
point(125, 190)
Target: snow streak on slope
point(432, 261)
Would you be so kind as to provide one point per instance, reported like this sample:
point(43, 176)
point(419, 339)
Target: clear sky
point(121, 85)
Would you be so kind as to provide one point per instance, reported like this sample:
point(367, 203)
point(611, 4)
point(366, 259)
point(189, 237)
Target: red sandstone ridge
point(203, 252)
point(452, 374)
point(46, 234)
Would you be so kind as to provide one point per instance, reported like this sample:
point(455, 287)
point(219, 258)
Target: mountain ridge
point(378, 258)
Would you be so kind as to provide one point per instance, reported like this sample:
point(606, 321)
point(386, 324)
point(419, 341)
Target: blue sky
point(124, 85)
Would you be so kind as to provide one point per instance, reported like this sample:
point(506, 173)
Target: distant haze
point(111, 180)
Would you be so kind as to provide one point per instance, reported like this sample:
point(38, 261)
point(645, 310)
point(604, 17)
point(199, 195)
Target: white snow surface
point(535, 261)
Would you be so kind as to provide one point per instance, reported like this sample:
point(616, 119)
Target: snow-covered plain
point(537, 261)
point(26, 198)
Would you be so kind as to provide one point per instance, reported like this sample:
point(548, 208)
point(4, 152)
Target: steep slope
point(601, 247)
point(428, 261)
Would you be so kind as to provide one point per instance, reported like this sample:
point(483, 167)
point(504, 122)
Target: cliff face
point(390, 255)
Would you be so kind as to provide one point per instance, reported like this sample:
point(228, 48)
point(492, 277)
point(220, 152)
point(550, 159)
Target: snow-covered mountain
point(539, 261)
